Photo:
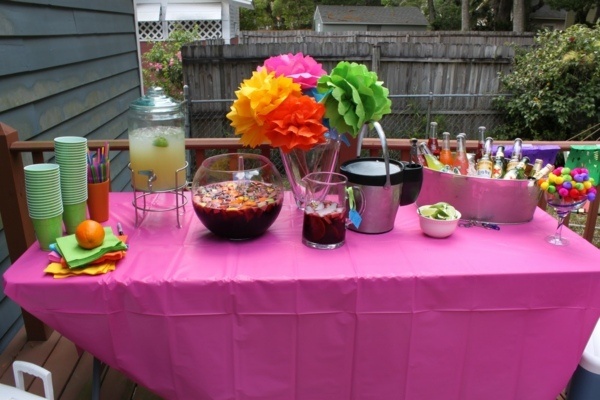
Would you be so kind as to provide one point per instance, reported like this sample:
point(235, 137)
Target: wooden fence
point(409, 63)
point(215, 72)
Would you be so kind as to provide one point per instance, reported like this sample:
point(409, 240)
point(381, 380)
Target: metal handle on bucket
point(383, 140)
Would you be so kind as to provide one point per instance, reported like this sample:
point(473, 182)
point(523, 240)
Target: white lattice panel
point(206, 29)
point(154, 30)
point(150, 30)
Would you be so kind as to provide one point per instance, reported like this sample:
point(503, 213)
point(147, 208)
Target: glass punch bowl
point(237, 195)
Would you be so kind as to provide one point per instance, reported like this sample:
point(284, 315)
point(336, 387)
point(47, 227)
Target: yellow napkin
point(76, 256)
point(104, 264)
point(97, 269)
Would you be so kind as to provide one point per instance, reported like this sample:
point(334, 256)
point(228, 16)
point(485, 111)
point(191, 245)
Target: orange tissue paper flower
point(296, 123)
point(257, 97)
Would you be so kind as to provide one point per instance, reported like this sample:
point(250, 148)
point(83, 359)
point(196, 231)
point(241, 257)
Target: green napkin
point(76, 256)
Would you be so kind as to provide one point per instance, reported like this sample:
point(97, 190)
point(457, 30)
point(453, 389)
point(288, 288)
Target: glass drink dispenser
point(157, 143)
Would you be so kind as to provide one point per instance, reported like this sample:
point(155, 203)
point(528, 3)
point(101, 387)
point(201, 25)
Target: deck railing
point(13, 205)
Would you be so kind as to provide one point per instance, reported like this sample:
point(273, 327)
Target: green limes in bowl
point(443, 211)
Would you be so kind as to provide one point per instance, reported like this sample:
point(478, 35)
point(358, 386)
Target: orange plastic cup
point(97, 201)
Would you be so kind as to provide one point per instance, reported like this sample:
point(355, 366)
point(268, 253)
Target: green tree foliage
point(404, 3)
point(447, 16)
point(488, 15)
point(162, 64)
point(258, 18)
point(286, 14)
point(298, 16)
point(442, 14)
point(493, 15)
point(554, 86)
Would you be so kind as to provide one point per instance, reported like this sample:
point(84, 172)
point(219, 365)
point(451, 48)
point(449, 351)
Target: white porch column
point(226, 21)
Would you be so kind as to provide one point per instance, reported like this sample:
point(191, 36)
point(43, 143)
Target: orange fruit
point(89, 234)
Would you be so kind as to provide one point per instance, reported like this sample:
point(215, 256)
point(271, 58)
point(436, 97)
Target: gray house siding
point(69, 67)
point(344, 28)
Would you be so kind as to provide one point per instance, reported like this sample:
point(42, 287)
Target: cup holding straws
point(98, 183)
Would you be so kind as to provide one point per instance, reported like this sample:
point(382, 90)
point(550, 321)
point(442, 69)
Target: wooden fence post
point(376, 58)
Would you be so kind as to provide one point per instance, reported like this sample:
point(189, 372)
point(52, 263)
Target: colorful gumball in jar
point(566, 185)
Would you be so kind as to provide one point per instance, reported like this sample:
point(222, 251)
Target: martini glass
point(562, 209)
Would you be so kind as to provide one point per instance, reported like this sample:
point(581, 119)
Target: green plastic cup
point(73, 215)
point(47, 230)
point(41, 168)
point(49, 212)
point(42, 190)
point(70, 141)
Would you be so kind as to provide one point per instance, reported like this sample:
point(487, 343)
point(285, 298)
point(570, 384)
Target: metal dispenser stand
point(140, 195)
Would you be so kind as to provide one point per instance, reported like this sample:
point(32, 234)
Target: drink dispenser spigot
point(157, 143)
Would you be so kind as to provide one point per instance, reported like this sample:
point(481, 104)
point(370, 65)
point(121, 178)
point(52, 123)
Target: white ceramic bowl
point(438, 228)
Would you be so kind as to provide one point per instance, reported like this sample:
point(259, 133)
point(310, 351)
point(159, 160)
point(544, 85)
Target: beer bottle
point(498, 168)
point(432, 142)
point(537, 166)
point(518, 171)
point(484, 165)
point(544, 172)
point(480, 144)
point(516, 154)
point(461, 161)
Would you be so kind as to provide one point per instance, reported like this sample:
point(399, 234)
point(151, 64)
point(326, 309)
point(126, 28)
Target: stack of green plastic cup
point(44, 202)
point(71, 155)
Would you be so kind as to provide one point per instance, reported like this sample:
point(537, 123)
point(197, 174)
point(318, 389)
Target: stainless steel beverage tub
point(481, 199)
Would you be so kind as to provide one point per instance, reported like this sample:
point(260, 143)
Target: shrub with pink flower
point(162, 65)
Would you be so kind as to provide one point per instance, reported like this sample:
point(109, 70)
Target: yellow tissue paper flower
point(256, 98)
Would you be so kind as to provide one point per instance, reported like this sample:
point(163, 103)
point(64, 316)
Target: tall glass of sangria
point(324, 225)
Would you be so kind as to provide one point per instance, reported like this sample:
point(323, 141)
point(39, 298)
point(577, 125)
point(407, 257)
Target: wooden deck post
point(13, 204)
point(15, 217)
point(590, 224)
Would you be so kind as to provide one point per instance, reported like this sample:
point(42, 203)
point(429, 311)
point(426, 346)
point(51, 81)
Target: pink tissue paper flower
point(303, 70)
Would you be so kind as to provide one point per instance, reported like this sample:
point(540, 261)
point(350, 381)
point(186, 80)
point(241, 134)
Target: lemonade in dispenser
point(157, 142)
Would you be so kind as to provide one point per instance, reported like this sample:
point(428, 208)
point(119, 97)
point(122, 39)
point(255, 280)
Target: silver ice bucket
point(379, 184)
point(481, 199)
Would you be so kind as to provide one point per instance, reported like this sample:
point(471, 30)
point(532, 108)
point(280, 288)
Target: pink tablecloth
point(483, 314)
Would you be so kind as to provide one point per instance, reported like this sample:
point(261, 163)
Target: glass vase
point(299, 163)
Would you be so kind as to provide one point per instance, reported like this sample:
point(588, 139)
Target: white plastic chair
point(18, 392)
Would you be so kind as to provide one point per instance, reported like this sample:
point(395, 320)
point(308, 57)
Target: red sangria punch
point(238, 209)
point(324, 225)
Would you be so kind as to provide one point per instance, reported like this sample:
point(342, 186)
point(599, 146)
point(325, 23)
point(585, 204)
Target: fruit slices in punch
point(238, 210)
